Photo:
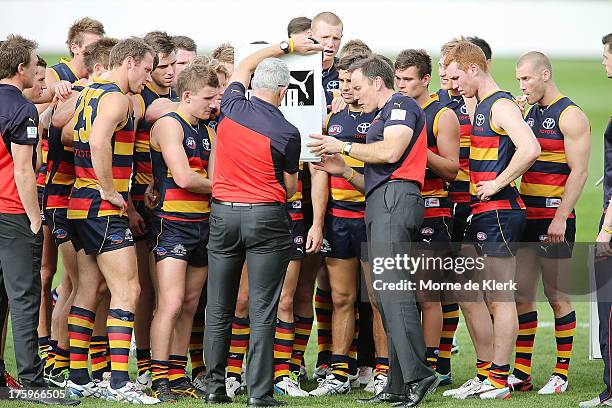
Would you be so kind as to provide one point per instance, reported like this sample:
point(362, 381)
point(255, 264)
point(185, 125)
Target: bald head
point(326, 17)
point(536, 61)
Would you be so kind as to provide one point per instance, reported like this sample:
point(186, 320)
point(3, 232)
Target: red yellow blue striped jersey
point(490, 152)
point(176, 202)
point(543, 185)
point(85, 200)
point(42, 171)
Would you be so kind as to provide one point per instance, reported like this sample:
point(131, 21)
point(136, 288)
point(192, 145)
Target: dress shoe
point(382, 398)
point(418, 390)
point(218, 399)
point(266, 401)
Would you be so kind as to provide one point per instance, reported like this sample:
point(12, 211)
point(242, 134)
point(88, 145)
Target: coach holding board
point(255, 168)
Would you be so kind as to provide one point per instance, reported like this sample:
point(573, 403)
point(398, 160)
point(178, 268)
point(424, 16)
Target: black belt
point(249, 205)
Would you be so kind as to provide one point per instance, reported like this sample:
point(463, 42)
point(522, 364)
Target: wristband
point(353, 172)
point(606, 229)
point(291, 46)
point(342, 148)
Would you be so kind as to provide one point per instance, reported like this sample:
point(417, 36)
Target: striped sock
point(97, 354)
point(159, 372)
point(339, 367)
point(528, 326)
point(482, 369)
point(80, 328)
point(283, 344)
point(323, 310)
point(432, 357)
point(43, 347)
point(498, 375)
point(143, 360)
point(238, 346)
point(119, 326)
point(564, 335)
point(352, 355)
point(303, 327)
point(176, 369)
point(382, 366)
point(196, 346)
point(62, 361)
point(450, 321)
point(50, 361)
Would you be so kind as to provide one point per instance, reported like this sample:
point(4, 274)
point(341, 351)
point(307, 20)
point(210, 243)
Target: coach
point(254, 171)
point(395, 156)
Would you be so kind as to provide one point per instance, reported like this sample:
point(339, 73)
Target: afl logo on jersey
point(363, 127)
point(480, 119)
point(334, 130)
point(331, 85)
point(530, 122)
point(191, 143)
point(548, 123)
point(464, 110)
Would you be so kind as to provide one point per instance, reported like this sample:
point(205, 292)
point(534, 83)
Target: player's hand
point(486, 189)
point(314, 239)
point(151, 197)
point(333, 164)
point(304, 45)
point(324, 145)
point(137, 223)
point(62, 90)
point(603, 244)
point(556, 231)
point(36, 225)
point(115, 199)
point(337, 104)
point(521, 101)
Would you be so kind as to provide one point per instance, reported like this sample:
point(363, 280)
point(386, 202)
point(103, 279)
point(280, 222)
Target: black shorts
point(102, 234)
point(536, 230)
point(298, 235)
point(146, 216)
point(40, 191)
point(435, 231)
point(496, 233)
point(61, 229)
point(344, 238)
point(183, 240)
point(461, 212)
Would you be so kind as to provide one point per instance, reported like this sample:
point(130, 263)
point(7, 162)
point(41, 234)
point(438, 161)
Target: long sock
point(528, 326)
point(176, 369)
point(50, 361)
point(450, 321)
point(352, 355)
point(498, 375)
point(80, 328)
point(303, 327)
point(159, 372)
point(119, 326)
point(43, 347)
point(62, 361)
point(283, 345)
point(323, 310)
point(196, 346)
point(339, 367)
point(143, 360)
point(432, 357)
point(564, 335)
point(238, 346)
point(382, 366)
point(97, 354)
point(482, 369)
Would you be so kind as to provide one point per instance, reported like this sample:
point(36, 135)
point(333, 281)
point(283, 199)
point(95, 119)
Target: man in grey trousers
point(395, 157)
point(254, 171)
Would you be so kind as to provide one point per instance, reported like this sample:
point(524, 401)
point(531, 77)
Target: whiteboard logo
point(480, 119)
point(548, 123)
point(363, 127)
point(301, 89)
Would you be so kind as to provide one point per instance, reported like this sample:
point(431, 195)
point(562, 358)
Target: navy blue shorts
point(536, 230)
point(61, 229)
point(183, 240)
point(461, 213)
point(298, 235)
point(344, 238)
point(102, 234)
point(435, 232)
point(496, 233)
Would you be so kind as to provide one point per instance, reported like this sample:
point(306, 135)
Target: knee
point(170, 308)
point(343, 300)
point(285, 305)
point(242, 305)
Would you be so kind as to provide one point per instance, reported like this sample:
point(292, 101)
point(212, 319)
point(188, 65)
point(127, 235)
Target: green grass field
point(585, 82)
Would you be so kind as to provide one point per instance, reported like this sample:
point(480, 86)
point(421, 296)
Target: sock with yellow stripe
point(528, 326)
point(62, 361)
point(283, 345)
point(50, 361)
point(352, 355)
point(323, 311)
point(450, 321)
point(196, 346)
point(97, 354)
point(498, 375)
point(382, 366)
point(43, 347)
point(159, 372)
point(303, 327)
point(482, 369)
point(564, 335)
point(339, 367)
point(432, 357)
point(238, 346)
point(176, 369)
point(80, 329)
point(143, 360)
point(119, 326)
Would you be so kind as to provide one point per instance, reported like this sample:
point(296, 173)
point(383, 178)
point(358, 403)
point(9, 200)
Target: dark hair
point(607, 40)
point(298, 25)
point(133, 47)
point(375, 66)
point(482, 44)
point(347, 60)
point(184, 43)
point(15, 50)
point(98, 53)
point(41, 62)
point(160, 41)
point(414, 58)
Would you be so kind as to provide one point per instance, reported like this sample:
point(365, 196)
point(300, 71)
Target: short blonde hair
point(195, 77)
point(81, 26)
point(224, 53)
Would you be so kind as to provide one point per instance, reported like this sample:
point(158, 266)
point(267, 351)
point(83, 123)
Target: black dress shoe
point(266, 401)
point(420, 389)
point(218, 399)
point(382, 398)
